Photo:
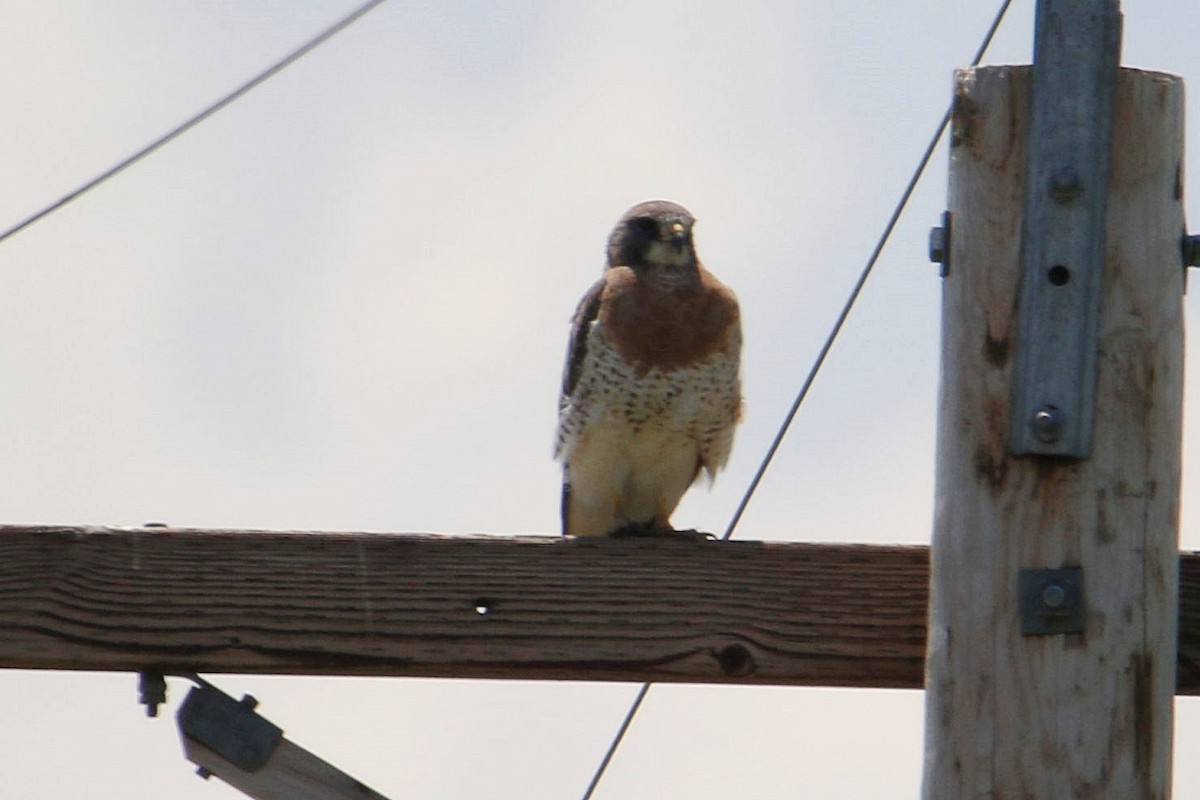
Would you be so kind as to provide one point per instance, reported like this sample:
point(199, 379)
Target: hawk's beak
point(678, 233)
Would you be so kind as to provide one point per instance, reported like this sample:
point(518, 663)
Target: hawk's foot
point(636, 530)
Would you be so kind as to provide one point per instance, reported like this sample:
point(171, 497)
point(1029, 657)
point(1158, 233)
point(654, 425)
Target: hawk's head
point(655, 238)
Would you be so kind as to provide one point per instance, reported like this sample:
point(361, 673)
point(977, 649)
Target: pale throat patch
point(664, 253)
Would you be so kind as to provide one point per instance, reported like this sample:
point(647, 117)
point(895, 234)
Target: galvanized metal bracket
point(228, 727)
point(1076, 55)
point(1051, 601)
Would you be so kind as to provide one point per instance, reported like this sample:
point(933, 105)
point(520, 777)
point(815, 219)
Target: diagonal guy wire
point(812, 374)
point(191, 122)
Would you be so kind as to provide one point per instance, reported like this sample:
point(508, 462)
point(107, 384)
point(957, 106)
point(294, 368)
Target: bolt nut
point(1191, 251)
point(937, 245)
point(152, 691)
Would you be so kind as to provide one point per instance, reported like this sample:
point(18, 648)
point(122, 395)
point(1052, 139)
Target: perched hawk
point(651, 391)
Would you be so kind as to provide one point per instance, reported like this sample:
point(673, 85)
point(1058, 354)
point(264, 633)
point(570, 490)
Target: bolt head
point(1047, 424)
point(1065, 185)
point(1053, 596)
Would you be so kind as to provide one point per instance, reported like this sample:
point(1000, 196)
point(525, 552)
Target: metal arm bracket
point(229, 727)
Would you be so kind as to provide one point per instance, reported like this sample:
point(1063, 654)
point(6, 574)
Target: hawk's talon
point(636, 530)
point(695, 535)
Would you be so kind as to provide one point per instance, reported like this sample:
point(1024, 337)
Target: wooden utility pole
point(1053, 604)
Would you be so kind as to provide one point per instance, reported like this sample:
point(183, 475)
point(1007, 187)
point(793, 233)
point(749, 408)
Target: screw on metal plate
point(1051, 601)
point(229, 727)
point(152, 691)
point(939, 244)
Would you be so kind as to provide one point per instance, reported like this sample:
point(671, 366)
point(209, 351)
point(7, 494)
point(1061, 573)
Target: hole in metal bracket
point(1059, 275)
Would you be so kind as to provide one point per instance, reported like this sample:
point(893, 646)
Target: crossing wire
point(270, 72)
point(640, 697)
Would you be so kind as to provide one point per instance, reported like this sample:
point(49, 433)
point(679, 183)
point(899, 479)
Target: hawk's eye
point(646, 225)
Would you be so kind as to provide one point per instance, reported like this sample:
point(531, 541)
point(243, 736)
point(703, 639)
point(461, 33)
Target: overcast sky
point(342, 304)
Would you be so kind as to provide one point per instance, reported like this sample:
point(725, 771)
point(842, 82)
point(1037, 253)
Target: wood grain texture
point(404, 605)
point(1084, 715)
point(374, 604)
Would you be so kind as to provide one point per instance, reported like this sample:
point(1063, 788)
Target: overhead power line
point(901, 204)
point(270, 72)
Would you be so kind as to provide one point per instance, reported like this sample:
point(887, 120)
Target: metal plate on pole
point(1076, 54)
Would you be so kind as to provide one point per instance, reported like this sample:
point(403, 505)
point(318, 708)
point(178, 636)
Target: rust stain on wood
point(995, 350)
point(963, 114)
point(992, 468)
